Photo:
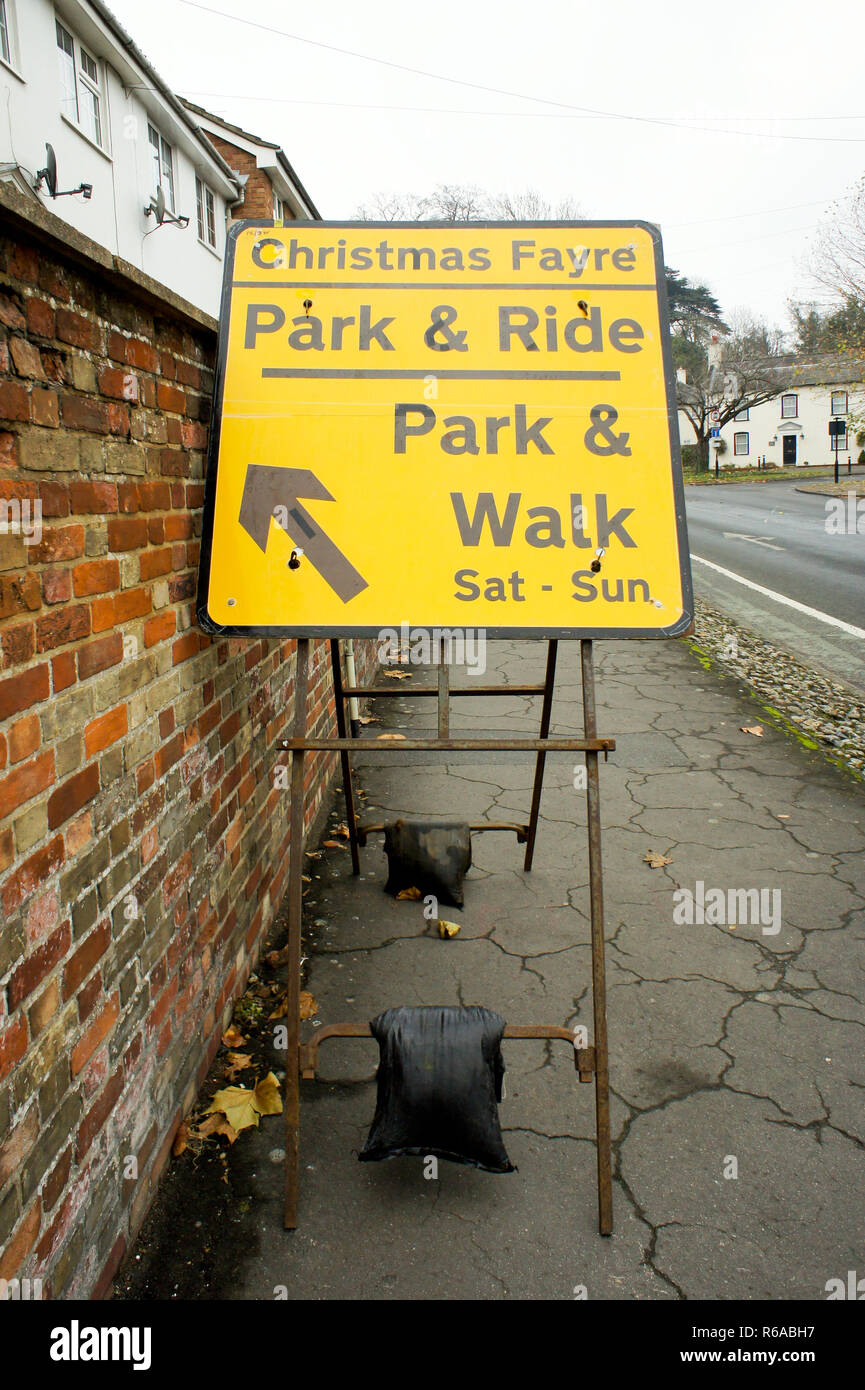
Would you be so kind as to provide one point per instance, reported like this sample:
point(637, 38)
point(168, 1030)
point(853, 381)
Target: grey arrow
point(271, 494)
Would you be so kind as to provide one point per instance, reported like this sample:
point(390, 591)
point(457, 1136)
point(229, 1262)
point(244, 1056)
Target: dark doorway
point(789, 450)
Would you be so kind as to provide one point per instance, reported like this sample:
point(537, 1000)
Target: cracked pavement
point(730, 1048)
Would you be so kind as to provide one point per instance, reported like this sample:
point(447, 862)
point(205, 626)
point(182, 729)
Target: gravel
point(824, 713)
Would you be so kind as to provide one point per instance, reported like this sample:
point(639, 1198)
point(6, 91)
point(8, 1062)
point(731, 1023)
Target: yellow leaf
point(215, 1124)
point(237, 1104)
point(333, 844)
point(382, 737)
point(281, 1008)
point(447, 929)
point(412, 895)
point(267, 1100)
point(233, 1037)
point(755, 729)
point(308, 1004)
point(238, 1061)
point(655, 860)
point(398, 675)
point(180, 1140)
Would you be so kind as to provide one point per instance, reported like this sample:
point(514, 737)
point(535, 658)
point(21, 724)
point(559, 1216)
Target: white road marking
point(755, 540)
point(782, 598)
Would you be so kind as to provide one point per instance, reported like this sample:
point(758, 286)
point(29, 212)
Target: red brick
point(28, 876)
point(118, 417)
point(127, 533)
point(184, 648)
point(63, 671)
point(18, 644)
point(7, 849)
point(154, 563)
point(79, 966)
point(24, 263)
point(61, 543)
point(10, 311)
point(20, 692)
point(32, 971)
point(123, 386)
point(99, 655)
point(26, 358)
point(96, 1033)
point(103, 614)
point(107, 729)
point(168, 397)
point(92, 497)
point(40, 317)
point(178, 528)
point(19, 1247)
point(75, 329)
point(132, 603)
point(44, 407)
point(127, 497)
point(54, 498)
point(67, 624)
point(53, 1187)
point(56, 586)
point(14, 401)
point(158, 628)
point(13, 1044)
point(26, 782)
point(154, 495)
point(98, 1114)
point(86, 1000)
point(95, 577)
point(72, 795)
point(24, 738)
point(133, 351)
point(85, 413)
point(19, 593)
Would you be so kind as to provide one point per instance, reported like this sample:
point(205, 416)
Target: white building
point(72, 78)
point(792, 429)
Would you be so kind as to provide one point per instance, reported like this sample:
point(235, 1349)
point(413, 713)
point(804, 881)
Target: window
point(206, 210)
point(5, 45)
point(742, 414)
point(839, 440)
point(68, 85)
point(162, 165)
point(278, 209)
point(839, 403)
point(789, 407)
point(80, 91)
point(741, 443)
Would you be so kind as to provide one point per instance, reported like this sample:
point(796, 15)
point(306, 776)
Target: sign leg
point(295, 911)
point(345, 756)
point(546, 715)
point(599, 986)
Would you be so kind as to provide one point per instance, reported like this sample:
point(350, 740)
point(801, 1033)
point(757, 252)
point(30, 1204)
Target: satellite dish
point(159, 207)
point(49, 173)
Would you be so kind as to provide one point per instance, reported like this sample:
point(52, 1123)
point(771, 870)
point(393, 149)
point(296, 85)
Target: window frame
point(742, 415)
point(75, 80)
point(832, 408)
point(6, 36)
point(157, 148)
point(790, 414)
point(205, 213)
point(739, 435)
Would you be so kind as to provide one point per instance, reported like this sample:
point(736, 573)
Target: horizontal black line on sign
point(389, 285)
point(432, 371)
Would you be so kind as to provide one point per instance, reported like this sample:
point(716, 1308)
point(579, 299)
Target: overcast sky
point(733, 126)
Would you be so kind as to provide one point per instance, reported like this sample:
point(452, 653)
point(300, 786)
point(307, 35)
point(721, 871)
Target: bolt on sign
point(470, 424)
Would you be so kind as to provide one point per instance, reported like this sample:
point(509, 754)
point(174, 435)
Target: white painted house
point(792, 429)
point(72, 78)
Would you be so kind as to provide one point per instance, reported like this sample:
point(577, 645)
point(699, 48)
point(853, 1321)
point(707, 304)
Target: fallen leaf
point(447, 929)
point(382, 737)
point(237, 1104)
point(755, 729)
point(333, 844)
point(181, 1140)
point(233, 1037)
point(281, 1008)
point(398, 675)
point(368, 719)
point(237, 1061)
point(268, 1101)
point(655, 860)
point(343, 831)
point(412, 895)
point(215, 1124)
point(308, 1004)
point(781, 816)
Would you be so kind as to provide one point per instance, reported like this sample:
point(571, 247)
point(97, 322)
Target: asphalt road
point(771, 536)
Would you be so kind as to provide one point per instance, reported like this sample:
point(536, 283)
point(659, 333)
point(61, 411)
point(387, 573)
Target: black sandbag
point(439, 1080)
point(432, 855)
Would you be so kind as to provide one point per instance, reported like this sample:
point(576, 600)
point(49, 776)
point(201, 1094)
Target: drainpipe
point(354, 714)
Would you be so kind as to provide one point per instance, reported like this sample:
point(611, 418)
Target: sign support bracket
point(301, 1058)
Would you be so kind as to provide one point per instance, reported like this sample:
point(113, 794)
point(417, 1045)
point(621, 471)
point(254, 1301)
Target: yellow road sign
point(449, 424)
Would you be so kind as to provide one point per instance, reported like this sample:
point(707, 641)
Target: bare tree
point(728, 378)
point(838, 257)
point(450, 202)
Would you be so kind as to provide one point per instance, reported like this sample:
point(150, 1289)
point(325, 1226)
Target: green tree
point(694, 311)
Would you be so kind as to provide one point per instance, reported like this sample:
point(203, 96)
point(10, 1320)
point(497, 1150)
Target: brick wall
point(258, 193)
point(142, 844)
